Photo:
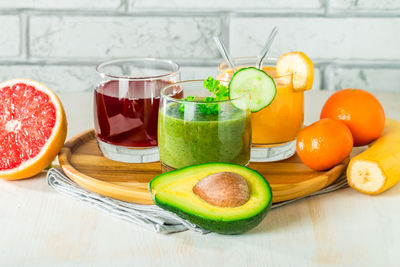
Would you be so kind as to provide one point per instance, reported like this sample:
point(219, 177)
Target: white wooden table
point(39, 227)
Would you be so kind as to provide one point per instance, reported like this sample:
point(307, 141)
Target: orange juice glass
point(274, 128)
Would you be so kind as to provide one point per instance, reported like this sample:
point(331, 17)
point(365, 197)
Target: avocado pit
point(223, 189)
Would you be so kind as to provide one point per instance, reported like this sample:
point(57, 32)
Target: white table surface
point(39, 227)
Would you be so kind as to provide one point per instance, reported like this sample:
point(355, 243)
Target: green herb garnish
point(189, 98)
point(219, 93)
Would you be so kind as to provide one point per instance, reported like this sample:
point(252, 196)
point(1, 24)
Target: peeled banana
point(378, 168)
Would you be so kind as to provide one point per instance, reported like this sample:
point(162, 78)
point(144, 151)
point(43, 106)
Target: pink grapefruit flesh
point(30, 119)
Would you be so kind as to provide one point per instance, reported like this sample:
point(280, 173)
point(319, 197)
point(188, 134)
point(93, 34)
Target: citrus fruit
point(260, 85)
point(296, 68)
point(33, 128)
point(324, 144)
point(359, 110)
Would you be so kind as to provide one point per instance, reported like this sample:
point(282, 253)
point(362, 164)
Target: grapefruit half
point(33, 128)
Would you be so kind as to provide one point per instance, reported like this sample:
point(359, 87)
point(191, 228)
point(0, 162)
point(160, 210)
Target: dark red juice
point(126, 112)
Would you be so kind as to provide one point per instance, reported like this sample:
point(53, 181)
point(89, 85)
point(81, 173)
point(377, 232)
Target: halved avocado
point(174, 191)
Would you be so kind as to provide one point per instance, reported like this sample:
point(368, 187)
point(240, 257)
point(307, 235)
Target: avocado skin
point(221, 227)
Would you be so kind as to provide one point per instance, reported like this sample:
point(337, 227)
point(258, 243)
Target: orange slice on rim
point(296, 68)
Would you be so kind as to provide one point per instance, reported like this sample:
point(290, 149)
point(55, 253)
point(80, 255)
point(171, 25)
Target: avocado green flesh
point(173, 191)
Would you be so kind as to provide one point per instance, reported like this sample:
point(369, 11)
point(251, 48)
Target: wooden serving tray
point(83, 162)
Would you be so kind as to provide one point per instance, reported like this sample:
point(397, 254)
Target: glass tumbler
point(274, 128)
point(195, 132)
point(126, 104)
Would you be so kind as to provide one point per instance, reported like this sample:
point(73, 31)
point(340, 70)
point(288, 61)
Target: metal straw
point(267, 46)
point(224, 52)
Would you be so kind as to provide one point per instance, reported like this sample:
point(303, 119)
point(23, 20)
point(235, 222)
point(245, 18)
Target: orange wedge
point(296, 68)
point(33, 128)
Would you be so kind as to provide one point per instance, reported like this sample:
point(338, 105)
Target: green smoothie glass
point(188, 134)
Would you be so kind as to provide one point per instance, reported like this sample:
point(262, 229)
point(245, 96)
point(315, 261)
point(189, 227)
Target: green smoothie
point(193, 137)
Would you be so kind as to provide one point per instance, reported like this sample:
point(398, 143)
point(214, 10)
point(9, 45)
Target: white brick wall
point(193, 73)
point(10, 43)
point(98, 37)
point(364, 5)
point(248, 5)
point(354, 43)
point(368, 78)
point(61, 4)
point(320, 38)
point(57, 77)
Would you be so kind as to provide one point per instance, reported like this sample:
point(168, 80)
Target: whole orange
point(360, 111)
point(324, 144)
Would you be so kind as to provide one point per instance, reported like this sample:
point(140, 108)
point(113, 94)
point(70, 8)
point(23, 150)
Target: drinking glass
point(274, 128)
point(195, 132)
point(126, 104)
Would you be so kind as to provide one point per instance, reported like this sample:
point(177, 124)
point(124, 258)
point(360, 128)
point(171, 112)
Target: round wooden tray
point(83, 162)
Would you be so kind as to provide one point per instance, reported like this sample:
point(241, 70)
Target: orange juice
point(280, 121)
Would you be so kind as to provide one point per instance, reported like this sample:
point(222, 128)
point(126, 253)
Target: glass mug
point(126, 104)
point(274, 128)
point(188, 136)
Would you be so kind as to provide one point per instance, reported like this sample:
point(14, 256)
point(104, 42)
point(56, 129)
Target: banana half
point(377, 169)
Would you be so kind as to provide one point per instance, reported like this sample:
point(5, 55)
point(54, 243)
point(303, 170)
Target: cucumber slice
point(260, 85)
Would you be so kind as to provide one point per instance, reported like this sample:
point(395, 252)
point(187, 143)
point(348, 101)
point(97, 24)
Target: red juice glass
point(126, 104)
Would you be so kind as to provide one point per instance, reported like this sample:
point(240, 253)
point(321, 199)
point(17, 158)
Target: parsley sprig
point(218, 91)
